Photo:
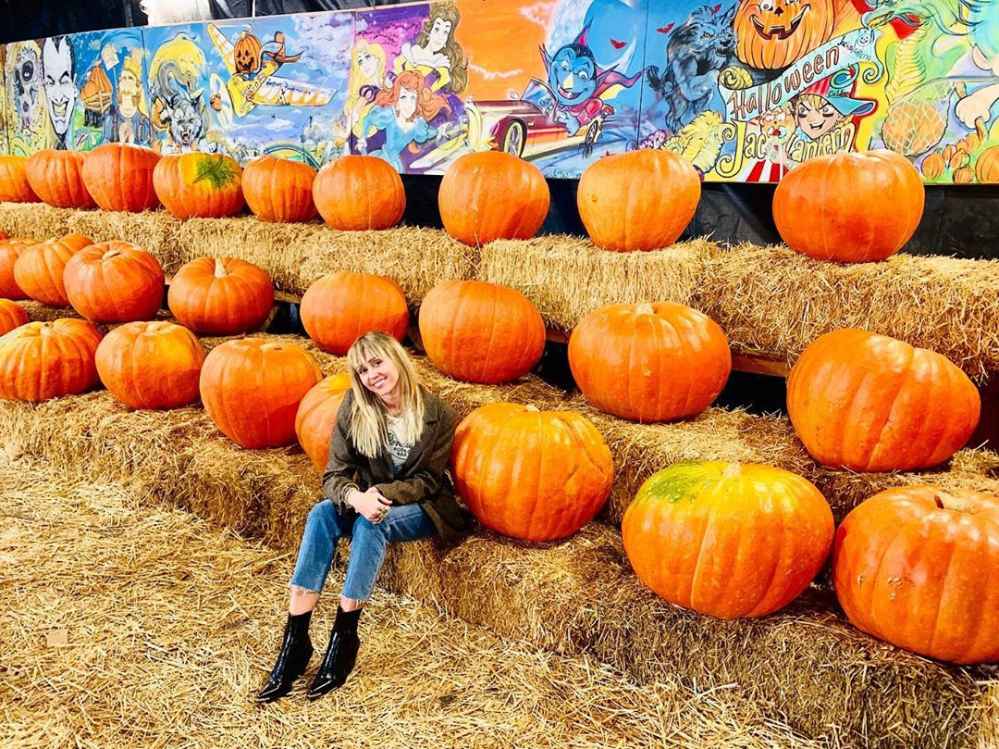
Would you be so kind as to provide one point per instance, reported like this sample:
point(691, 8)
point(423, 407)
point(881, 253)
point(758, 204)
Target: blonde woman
point(367, 73)
point(385, 481)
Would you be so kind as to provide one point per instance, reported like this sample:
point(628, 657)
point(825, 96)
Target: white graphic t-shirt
point(398, 450)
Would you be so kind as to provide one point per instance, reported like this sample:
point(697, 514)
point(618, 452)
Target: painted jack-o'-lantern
point(772, 34)
point(247, 54)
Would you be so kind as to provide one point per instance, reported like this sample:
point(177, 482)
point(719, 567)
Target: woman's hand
point(370, 504)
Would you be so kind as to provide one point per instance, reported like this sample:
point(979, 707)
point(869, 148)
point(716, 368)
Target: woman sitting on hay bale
point(386, 480)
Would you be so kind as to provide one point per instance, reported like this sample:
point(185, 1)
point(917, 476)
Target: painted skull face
point(27, 82)
point(572, 76)
point(60, 86)
point(439, 32)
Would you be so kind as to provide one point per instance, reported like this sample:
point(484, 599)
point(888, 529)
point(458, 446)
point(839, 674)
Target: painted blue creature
point(696, 52)
point(577, 89)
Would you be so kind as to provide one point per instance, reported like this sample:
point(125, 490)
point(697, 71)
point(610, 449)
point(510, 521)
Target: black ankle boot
point(296, 649)
point(340, 654)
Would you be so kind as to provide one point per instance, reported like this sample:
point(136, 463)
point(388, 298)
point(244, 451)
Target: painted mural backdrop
point(744, 90)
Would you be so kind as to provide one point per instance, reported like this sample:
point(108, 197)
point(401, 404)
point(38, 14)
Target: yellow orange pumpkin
point(199, 185)
point(316, 417)
point(119, 176)
point(114, 282)
point(12, 315)
point(42, 360)
point(279, 189)
point(39, 268)
point(221, 296)
point(56, 177)
point(356, 193)
point(14, 185)
point(341, 307)
point(10, 251)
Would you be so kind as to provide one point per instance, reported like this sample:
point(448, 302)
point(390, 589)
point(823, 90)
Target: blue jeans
point(326, 525)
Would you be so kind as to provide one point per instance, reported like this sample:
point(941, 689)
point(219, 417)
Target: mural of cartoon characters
point(179, 114)
point(696, 53)
point(402, 114)
point(436, 54)
point(367, 74)
point(128, 121)
point(252, 67)
point(27, 125)
point(575, 90)
point(827, 105)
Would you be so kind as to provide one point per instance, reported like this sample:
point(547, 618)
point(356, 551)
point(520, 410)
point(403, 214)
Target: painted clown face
point(572, 76)
point(60, 86)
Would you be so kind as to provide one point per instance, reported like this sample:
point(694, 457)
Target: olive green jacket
point(423, 478)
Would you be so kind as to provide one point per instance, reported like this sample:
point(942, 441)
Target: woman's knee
point(322, 515)
point(364, 529)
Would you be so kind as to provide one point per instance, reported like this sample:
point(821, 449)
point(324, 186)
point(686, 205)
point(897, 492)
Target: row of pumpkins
point(642, 200)
point(912, 566)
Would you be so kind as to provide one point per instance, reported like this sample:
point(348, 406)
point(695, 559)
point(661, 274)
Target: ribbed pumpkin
point(221, 296)
point(641, 200)
point(39, 268)
point(42, 360)
point(987, 165)
point(14, 186)
point(492, 195)
point(10, 251)
point(872, 403)
point(114, 282)
point(649, 362)
point(55, 177)
point(355, 193)
point(530, 474)
point(726, 539)
point(316, 417)
point(279, 189)
point(775, 34)
point(12, 315)
point(481, 332)
point(918, 566)
point(199, 185)
point(119, 176)
point(835, 207)
point(251, 389)
point(341, 307)
point(154, 365)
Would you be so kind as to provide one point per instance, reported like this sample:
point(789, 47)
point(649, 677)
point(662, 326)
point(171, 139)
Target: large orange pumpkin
point(642, 200)
point(917, 566)
point(14, 185)
point(199, 184)
point(55, 176)
point(252, 387)
point(492, 195)
point(355, 193)
point(120, 177)
point(481, 332)
point(316, 417)
point(221, 296)
point(12, 315)
point(772, 34)
point(987, 165)
point(649, 362)
point(42, 360)
point(114, 282)
point(279, 189)
point(341, 307)
point(872, 403)
point(153, 365)
point(39, 268)
point(725, 539)
point(530, 474)
point(835, 207)
point(10, 251)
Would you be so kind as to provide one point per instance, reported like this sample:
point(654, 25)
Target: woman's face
point(379, 375)
point(406, 105)
point(368, 64)
point(816, 121)
point(437, 38)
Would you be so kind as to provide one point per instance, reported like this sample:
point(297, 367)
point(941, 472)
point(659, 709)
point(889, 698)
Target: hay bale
point(774, 302)
point(43, 313)
point(174, 661)
point(151, 230)
point(36, 220)
point(579, 597)
point(297, 254)
point(566, 277)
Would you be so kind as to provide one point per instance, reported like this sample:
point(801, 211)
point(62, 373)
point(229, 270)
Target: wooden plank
point(760, 365)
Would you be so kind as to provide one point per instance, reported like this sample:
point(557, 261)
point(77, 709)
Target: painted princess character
point(402, 114)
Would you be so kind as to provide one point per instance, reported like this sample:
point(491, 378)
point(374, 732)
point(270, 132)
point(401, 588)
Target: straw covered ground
point(804, 666)
point(135, 626)
point(770, 301)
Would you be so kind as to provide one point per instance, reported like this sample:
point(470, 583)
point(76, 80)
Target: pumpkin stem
point(645, 308)
point(220, 271)
point(938, 501)
point(218, 172)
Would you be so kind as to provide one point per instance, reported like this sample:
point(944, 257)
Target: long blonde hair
point(368, 428)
